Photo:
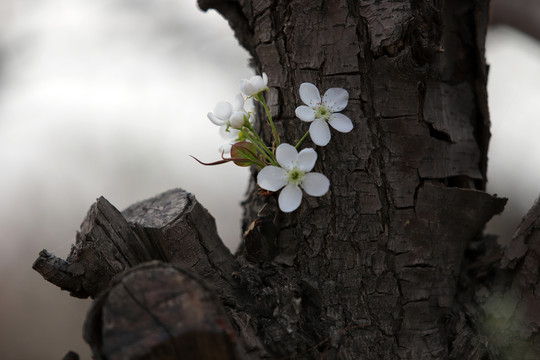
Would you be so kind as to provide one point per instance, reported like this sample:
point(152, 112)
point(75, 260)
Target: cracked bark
point(391, 263)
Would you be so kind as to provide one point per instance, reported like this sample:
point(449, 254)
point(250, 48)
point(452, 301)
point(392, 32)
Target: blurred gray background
point(110, 98)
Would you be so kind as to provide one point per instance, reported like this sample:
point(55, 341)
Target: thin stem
point(249, 136)
point(260, 97)
point(261, 147)
point(302, 139)
point(261, 142)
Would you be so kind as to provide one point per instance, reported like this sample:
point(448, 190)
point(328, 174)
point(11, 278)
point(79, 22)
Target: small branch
point(105, 246)
point(60, 273)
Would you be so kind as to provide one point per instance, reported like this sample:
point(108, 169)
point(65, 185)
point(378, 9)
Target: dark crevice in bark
point(425, 31)
point(439, 135)
point(400, 116)
point(462, 182)
point(365, 58)
point(433, 132)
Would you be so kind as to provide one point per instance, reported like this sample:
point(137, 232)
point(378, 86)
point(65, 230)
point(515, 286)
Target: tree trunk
point(374, 263)
point(391, 263)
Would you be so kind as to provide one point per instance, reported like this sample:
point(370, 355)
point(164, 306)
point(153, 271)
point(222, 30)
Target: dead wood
point(159, 311)
point(172, 227)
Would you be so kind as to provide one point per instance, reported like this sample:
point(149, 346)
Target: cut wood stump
point(159, 311)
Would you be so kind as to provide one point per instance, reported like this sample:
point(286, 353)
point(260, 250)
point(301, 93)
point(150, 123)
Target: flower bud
point(244, 153)
point(237, 119)
point(254, 85)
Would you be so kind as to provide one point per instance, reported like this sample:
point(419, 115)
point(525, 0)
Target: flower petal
point(319, 132)
point(237, 119)
point(231, 134)
point(238, 102)
point(215, 120)
point(272, 178)
point(340, 122)
point(310, 94)
point(245, 87)
point(258, 82)
point(290, 198)
point(254, 85)
point(223, 110)
point(336, 99)
point(286, 156)
point(315, 184)
point(305, 113)
point(306, 159)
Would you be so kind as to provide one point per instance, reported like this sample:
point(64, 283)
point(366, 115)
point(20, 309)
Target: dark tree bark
point(391, 263)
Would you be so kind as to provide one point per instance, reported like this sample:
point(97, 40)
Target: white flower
point(227, 115)
point(320, 114)
point(254, 85)
point(293, 174)
point(231, 135)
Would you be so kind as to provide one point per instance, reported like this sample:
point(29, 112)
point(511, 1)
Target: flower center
point(295, 176)
point(323, 112)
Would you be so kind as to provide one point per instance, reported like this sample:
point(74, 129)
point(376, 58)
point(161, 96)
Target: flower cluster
point(281, 166)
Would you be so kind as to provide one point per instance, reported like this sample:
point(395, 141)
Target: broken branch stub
point(172, 227)
point(186, 235)
point(104, 247)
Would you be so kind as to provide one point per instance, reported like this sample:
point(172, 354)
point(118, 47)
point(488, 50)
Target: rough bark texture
point(172, 227)
point(390, 264)
point(373, 266)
